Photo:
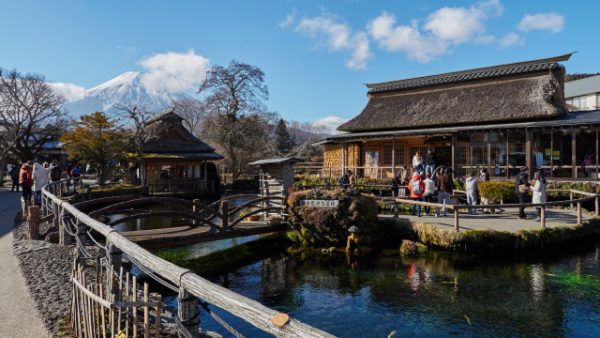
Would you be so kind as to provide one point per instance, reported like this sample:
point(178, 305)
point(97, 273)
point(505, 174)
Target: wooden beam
point(528, 152)
point(454, 154)
point(574, 153)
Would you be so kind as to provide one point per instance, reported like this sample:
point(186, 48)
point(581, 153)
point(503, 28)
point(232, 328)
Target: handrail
point(250, 310)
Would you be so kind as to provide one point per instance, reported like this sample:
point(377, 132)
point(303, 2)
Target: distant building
point(583, 94)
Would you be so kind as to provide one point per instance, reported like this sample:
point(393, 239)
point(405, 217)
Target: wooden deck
point(165, 237)
point(505, 221)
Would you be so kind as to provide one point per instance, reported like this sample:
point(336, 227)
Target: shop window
point(562, 153)
point(586, 153)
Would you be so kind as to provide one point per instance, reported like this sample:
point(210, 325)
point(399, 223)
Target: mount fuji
point(125, 89)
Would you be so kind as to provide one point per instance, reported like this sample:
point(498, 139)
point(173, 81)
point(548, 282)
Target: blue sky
point(316, 55)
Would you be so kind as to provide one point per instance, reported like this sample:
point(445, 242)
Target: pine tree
point(283, 141)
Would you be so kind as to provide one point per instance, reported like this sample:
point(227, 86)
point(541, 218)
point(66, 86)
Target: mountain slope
point(125, 89)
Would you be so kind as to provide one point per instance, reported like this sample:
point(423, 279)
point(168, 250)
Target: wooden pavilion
point(175, 161)
point(502, 118)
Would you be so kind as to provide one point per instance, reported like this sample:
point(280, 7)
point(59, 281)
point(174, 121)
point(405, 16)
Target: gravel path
point(18, 317)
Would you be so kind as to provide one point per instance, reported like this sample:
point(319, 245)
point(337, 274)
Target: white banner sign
point(320, 203)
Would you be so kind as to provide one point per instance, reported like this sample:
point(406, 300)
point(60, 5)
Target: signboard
point(320, 203)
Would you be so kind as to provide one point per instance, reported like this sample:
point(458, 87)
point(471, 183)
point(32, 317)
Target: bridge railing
point(185, 281)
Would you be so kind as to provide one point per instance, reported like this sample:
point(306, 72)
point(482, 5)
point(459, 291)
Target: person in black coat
point(521, 190)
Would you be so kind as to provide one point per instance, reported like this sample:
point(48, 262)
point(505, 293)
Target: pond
point(436, 294)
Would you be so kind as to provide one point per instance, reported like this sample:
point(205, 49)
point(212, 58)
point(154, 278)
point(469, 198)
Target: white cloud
point(511, 39)
point(330, 32)
point(329, 123)
point(542, 21)
point(70, 92)
point(288, 21)
point(174, 72)
point(443, 30)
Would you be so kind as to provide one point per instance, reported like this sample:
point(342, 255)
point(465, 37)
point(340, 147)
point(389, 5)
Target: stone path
point(18, 314)
point(505, 221)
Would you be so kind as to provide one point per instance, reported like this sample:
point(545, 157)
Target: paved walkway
point(505, 221)
point(18, 314)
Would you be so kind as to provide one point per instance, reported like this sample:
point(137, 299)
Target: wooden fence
point(74, 223)
point(105, 304)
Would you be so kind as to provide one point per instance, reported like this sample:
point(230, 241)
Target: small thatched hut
point(501, 118)
point(174, 160)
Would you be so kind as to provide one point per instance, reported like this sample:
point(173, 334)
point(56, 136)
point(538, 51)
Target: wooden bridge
point(81, 229)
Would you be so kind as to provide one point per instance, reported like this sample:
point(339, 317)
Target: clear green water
point(435, 295)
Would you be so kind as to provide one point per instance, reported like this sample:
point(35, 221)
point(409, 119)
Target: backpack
point(415, 187)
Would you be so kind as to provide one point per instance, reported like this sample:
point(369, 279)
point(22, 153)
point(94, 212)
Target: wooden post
point(579, 218)
point(267, 203)
point(60, 189)
point(187, 312)
point(571, 198)
point(195, 209)
point(63, 237)
point(81, 233)
point(34, 222)
point(597, 205)
point(456, 221)
point(115, 259)
point(454, 152)
point(88, 193)
point(574, 153)
point(528, 152)
point(543, 216)
point(224, 214)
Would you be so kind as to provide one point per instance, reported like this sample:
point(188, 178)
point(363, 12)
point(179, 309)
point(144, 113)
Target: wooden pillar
point(454, 152)
point(344, 157)
point(543, 217)
point(393, 157)
point(597, 144)
point(81, 234)
point(195, 208)
point(551, 152)
point(188, 313)
point(579, 214)
point(489, 157)
point(456, 219)
point(507, 157)
point(34, 222)
point(529, 151)
point(224, 210)
point(597, 205)
point(574, 153)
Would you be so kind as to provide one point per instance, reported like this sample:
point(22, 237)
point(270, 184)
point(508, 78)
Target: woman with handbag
point(521, 190)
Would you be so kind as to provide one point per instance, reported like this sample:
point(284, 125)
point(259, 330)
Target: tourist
point(56, 172)
point(417, 162)
point(14, 176)
point(41, 174)
point(430, 161)
point(395, 185)
point(522, 187)
point(445, 188)
point(471, 186)
point(484, 176)
point(26, 181)
point(429, 191)
point(416, 188)
point(344, 181)
point(539, 192)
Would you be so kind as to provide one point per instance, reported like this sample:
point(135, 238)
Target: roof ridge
point(428, 79)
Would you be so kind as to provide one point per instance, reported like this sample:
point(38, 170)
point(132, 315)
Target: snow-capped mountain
point(126, 89)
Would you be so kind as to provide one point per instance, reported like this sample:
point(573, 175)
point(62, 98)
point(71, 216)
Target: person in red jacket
point(416, 188)
point(26, 180)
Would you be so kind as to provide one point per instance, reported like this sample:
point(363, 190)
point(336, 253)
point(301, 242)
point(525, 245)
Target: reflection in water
point(433, 295)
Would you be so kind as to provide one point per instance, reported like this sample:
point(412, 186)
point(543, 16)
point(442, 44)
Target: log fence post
point(395, 208)
point(579, 216)
point(115, 260)
point(456, 219)
point(34, 222)
point(81, 234)
point(224, 214)
point(597, 205)
point(64, 238)
point(543, 216)
point(188, 313)
point(195, 207)
point(267, 203)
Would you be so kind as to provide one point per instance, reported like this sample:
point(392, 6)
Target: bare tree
point(138, 118)
point(30, 113)
point(193, 113)
point(231, 93)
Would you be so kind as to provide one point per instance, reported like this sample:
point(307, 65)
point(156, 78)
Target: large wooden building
point(502, 118)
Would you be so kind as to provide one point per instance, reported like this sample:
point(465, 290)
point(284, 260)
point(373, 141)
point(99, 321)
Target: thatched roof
point(168, 136)
point(514, 92)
